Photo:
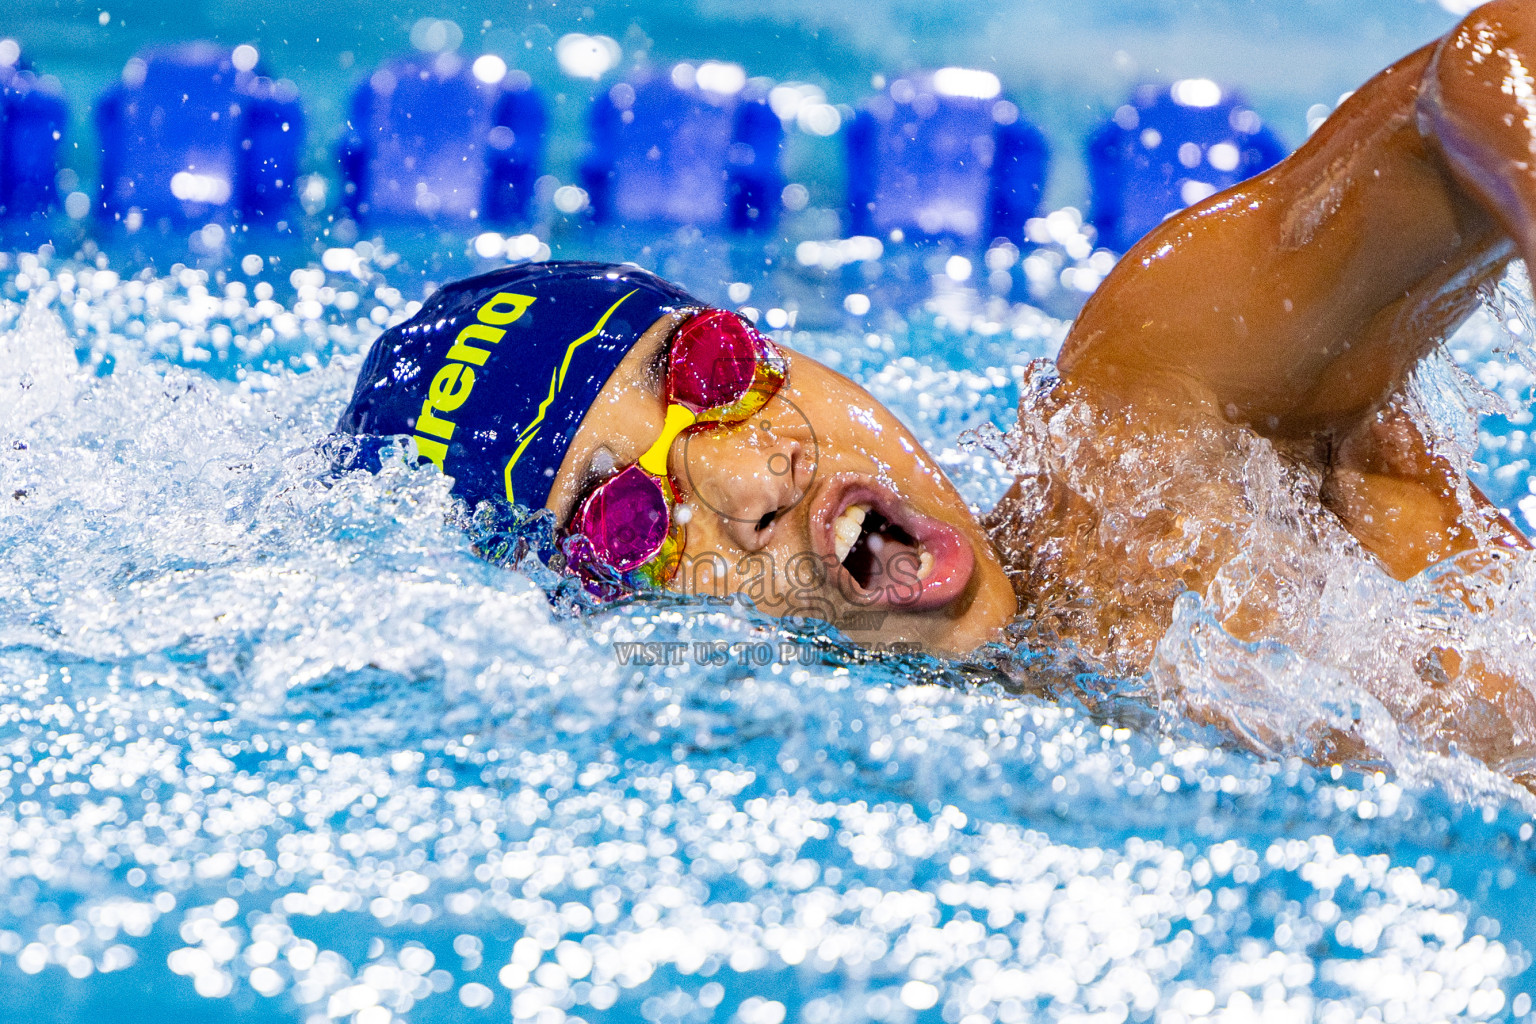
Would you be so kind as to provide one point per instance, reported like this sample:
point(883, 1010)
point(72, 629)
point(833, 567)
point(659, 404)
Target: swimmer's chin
point(954, 631)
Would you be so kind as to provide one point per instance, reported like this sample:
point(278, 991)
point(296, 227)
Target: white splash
point(1347, 665)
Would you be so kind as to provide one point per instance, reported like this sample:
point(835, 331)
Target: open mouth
point(869, 545)
point(891, 555)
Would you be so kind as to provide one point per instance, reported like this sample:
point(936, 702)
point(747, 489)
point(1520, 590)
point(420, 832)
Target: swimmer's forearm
point(1302, 298)
point(1407, 505)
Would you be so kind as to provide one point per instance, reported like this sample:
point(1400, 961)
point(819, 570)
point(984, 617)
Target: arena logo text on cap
point(455, 380)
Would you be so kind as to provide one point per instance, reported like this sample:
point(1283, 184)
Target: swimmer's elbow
point(1474, 113)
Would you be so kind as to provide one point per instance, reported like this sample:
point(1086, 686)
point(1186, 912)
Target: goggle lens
point(626, 519)
point(721, 368)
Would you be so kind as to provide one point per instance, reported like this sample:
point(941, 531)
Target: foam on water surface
point(274, 744)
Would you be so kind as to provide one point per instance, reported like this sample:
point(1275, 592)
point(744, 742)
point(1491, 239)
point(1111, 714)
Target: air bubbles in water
point(489, 68)
point(245, 57)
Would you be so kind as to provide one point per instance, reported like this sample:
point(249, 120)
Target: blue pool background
point(1067, 66)
point(277, 746)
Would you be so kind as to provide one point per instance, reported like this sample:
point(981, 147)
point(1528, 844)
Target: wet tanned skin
point(1292, 307)
point(1295, 306)
point(1297, 303)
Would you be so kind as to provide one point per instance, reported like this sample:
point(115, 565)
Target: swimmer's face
point(822, 504)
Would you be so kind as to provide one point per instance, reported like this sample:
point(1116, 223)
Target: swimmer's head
point(494, 374)
point(798, 489)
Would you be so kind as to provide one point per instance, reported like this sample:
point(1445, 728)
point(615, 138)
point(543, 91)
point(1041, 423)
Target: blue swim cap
point(495, 373)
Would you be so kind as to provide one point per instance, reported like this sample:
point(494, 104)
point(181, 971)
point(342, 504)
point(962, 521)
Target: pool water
point(276, 745)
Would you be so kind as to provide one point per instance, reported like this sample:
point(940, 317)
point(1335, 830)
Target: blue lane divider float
point(943, 154)
point(690, 145)
point(32, 119)
point(443, 139)
point(1168, 148)
point(195, 133)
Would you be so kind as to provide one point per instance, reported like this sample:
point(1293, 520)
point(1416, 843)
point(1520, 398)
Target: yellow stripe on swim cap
point(679, 419)
point(556, 382)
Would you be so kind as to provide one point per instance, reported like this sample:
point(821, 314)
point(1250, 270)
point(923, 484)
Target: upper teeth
point(846, 529)
point(849, 526)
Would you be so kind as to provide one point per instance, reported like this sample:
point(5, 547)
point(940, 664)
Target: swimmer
point(679, 446)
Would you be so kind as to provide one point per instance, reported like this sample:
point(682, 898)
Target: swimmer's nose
point(749, 478)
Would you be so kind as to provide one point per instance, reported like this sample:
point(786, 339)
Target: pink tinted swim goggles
point(720, 371)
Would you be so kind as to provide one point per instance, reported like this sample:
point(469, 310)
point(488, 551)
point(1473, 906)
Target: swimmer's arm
point(1302, 298)
point(1478, 108)
point(1401, 501)
point(1407, 505)
point(1428, 171)
point(1299, 300)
